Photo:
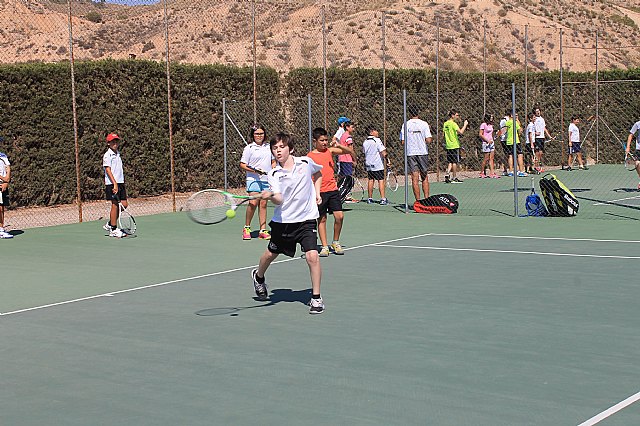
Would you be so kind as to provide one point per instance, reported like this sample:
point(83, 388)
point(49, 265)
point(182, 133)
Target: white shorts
point(488, 146)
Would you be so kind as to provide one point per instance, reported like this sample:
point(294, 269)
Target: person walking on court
point(295, 190)
point(114, 184)
point(256, 156)
point(488, 147)
point(530, 145)
point(635, 131)
point(375, 155)
point(541, 132)
point(575, 146)
point(452, 132)
point(5, 178)
point(346, 162)
point(417, 139)
point(331, 203)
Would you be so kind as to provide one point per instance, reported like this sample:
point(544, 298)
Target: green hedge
point(130, 97)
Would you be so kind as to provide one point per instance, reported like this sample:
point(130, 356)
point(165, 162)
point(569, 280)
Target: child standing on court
point(331, 203)
point(256, 156)
point(451, 131)
point(488, 146)
point(346, 161)
point(114, 184)
point(375, 155)
point(295, 190)
point(5, 178)
point(575, 147)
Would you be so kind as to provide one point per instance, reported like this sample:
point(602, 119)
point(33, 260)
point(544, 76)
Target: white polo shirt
point(372, 147)
point(635, 130)
point(297, 189)
point(417, 131)
point(540, 126)
point(112, 159)
point(258, 157)
point(4, 163)
point(574, 133)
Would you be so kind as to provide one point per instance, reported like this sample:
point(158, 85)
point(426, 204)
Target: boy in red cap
point(114, 184)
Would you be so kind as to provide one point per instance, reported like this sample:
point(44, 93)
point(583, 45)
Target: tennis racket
point(126, 221)
point(392, 180)
point(358, 193)
point(210, 206)
point(258, 171)
point(630, 161)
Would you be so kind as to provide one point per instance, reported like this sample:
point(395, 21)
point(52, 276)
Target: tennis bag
point(559, 199)
point(440, 203)
point(535, 206)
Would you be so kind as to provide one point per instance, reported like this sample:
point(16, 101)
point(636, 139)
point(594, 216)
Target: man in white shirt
point(635, 132)
point(295, 190)
point(417, 138)
point(541, 132)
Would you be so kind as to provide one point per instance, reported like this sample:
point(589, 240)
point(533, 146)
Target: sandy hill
point(289, 32)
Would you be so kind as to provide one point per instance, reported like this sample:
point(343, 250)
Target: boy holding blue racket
point(295, 185)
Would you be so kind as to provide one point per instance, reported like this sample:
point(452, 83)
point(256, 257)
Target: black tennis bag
point(559, 199)
point(440, 203)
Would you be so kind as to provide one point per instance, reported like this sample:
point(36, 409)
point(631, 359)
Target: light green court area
point(443, 320)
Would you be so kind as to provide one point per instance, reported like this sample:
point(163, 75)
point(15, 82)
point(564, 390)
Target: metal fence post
point(515, 153)
point(75, 117)
point(171, 150)
point(224, 141)
point(309, 122)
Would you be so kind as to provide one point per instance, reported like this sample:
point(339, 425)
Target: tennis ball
point(231, 213)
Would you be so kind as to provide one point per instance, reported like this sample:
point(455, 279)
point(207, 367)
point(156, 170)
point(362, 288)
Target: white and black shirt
point(112, 159)
point(297, 189)
point(373, 148)
point(417, 133)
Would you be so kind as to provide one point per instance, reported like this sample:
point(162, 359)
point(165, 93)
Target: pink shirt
point(487, 131)
point(345, 140)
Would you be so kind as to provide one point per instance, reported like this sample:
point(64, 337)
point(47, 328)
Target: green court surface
point(442, 320)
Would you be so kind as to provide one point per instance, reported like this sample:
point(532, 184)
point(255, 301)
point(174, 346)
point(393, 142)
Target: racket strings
point(209, 207)
point(127, 223)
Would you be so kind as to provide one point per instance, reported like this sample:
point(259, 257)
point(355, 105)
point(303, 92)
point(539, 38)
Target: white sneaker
point(5, 235)
point(107, 227)
point(117, 233)
point(316, 306)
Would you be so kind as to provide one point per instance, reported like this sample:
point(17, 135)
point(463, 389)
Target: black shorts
point(539, 145)
point(375, 174)
point(5, 198)
point(285, 236)
point(330, 202)
point(122, 192)
point(453, 155)
point(509, 150)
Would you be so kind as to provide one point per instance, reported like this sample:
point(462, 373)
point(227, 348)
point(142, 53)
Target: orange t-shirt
point(325, 159)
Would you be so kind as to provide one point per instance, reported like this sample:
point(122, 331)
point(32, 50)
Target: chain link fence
point(383, 35)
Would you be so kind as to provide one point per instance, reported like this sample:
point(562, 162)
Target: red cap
point(112, 136)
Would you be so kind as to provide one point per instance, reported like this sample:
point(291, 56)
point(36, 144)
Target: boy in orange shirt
point(323, 155)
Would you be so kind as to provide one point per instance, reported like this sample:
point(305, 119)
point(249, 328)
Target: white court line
point(614, 201)
point(612, 410)
point(540, 253)
point(213, 274)
point(516, 237)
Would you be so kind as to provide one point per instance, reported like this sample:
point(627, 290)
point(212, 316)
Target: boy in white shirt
point(575, 147)
point(295, 190)
point(374, 155)
point(114, 184)
point(5, 177)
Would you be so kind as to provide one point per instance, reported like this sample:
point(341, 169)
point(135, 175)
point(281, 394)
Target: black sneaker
point(316, 306)
point(447, 180)
point(568, 169)
point(261, 289)
point(456, 180)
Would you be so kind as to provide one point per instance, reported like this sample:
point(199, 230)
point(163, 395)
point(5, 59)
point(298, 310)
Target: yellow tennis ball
point(231, 213)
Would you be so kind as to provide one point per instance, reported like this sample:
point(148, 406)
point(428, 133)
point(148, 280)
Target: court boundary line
point(539, 253)
point(606, 203)
point(518, 237)
point(179, 280)
point(611, 410)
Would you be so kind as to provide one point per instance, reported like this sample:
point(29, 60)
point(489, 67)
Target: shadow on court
point(279, 295)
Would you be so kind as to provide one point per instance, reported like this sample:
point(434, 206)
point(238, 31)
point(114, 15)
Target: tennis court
point(442, 320)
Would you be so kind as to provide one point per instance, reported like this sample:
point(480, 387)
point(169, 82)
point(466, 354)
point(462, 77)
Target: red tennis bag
point(440, 203)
